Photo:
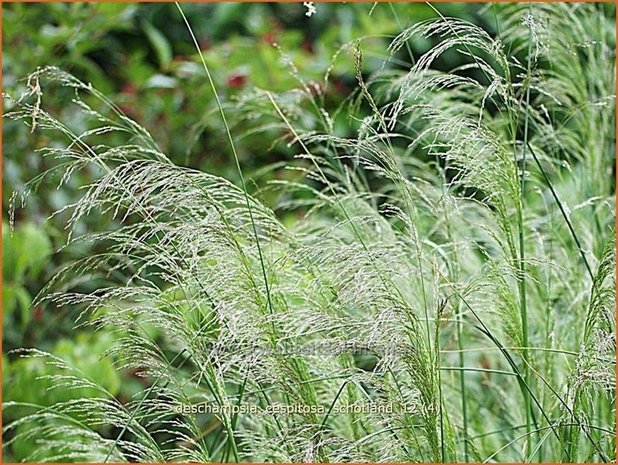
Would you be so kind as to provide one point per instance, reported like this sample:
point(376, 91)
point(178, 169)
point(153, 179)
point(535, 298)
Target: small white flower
point(310, 8)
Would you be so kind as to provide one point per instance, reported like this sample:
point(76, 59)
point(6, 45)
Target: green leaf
point(37, 248)
point(26, 251)
point(160, 44)
point(161, 81)
point(24, 300)
point(8, 301)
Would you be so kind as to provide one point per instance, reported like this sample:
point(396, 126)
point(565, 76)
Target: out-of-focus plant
point(25, 254)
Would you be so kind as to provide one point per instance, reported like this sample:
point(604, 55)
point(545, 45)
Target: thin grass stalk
point(521, 233)
point(454, 267)
point(562, 210)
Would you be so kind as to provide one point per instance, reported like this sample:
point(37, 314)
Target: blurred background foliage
point(141, 57)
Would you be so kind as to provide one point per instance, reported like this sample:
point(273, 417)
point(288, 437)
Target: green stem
point(562, 210)
point(454, 266)
point(462, 381)
point(522, 255)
